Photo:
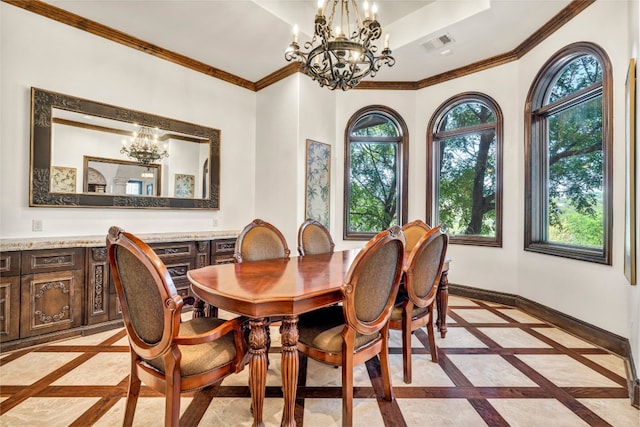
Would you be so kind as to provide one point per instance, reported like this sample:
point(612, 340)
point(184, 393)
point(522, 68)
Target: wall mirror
point(82, 155)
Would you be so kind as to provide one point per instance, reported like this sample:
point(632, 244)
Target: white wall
point(40, 52)
point(277, 156)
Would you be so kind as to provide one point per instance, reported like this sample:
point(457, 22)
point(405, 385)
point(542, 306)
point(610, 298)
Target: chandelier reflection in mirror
point(143, 146)
point(344, 54)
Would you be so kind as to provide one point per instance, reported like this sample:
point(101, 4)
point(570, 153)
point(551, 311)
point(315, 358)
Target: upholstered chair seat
point(322, 330)
point(198, 359)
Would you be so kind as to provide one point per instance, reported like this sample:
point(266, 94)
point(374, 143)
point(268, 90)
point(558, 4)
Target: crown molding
point(49, 11)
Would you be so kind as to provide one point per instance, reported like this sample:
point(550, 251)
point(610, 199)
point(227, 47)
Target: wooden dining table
point(276, 287)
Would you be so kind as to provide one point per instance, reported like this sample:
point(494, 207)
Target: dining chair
point(413, 232)
point(167, 354)
point(413, 308)
point(260, 240)
point(314, 238)
point(357, 331)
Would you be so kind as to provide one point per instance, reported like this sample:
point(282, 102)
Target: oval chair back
point(260, 240)
point(314, 238)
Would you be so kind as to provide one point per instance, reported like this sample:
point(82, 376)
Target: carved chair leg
point(347, 390)
point(132, 396)
point(406, 346)
point(384, 366)
point(132, 399)
point(432, 338)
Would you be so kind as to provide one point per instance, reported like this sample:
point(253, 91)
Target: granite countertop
point(55, 242)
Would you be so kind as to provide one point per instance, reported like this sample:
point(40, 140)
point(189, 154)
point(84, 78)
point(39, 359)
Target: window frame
point(535, 119)
point(402, 142)
point(433, 154)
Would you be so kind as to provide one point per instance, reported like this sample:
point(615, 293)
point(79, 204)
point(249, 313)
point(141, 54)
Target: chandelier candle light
point(144, 146)
point(345, 53)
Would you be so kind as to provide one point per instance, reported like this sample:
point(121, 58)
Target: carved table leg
point(198, 308)
point(257, 368)
point(442, 302)
point(289, 333)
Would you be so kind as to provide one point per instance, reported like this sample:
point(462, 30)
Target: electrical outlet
point(36, 225)
point(214, 222)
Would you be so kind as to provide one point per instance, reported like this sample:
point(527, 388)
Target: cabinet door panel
point(50, 302)
point(9, 308)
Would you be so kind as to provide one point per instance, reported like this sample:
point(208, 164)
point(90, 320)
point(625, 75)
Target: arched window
point(568, 140)
point(464, 157)
point(375, 177)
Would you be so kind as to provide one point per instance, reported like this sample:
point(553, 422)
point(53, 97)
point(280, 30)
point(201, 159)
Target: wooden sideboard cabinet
point(9, 296)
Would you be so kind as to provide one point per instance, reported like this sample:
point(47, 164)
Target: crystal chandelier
point(344, 54)
point(143, 146)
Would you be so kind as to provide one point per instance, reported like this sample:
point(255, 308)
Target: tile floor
point(497, 366)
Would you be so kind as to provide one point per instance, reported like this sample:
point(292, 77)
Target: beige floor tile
point(513, 338)
point(564, 338)
point(460, 301)
point(328, 413)
point(47, 411)
point(103, 369)
point(536, 413)
point(236, 412)
point(617, 412)
point(489, 370)
point(439, 412)
point(565, 371)
point(323, 375)
point(93, 339)
point(478, 316)
point(149, 412)
point(519, 316)
point(21, 371)
point(424, 372)
point(610, 361)
point(274, 373)
point(457, 338)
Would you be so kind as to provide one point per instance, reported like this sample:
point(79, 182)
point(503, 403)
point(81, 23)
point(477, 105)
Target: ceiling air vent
point(438, 42)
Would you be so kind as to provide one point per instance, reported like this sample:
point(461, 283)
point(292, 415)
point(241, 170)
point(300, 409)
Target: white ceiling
point(248, 38)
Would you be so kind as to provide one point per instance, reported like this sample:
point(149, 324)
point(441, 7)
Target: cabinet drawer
point(9, 263)
point(222, 251)
point(49, 260)
point(178, 271)
point(171, 251)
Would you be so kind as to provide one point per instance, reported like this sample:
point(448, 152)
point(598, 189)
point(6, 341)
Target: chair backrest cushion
point(314, 239)
point(372, 282)
point(428, 265)
point(375, 282)
point(261, 243)
point(413, 232)
point(141, 295)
